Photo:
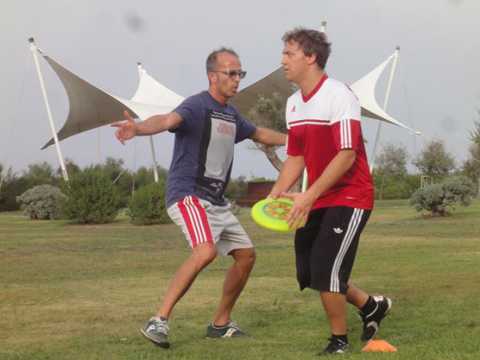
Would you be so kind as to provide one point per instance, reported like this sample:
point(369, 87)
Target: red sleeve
point(294, 144)
point(347, 134)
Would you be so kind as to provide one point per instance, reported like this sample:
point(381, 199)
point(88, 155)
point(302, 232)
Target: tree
point(390, 174)
point(269, 112)
point(1, 177)
point(91, 197)
point(147, 205)
point(435, 161)
point(120, 177)
point(11, 187)
point(39, 174)
point(72, 168)
point(392, 161)
point(471, 166)
point(112, 168)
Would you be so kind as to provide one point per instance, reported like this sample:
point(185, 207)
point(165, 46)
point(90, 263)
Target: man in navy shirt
point(206, 128)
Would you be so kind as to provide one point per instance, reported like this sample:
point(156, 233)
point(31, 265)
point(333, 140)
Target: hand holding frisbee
point(301, 206)
point(280, 214)
point(271, 213)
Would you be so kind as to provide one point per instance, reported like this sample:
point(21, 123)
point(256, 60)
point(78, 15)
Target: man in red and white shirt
point(325, 137)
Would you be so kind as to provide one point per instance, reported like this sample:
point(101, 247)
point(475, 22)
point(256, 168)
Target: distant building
point(256, 190)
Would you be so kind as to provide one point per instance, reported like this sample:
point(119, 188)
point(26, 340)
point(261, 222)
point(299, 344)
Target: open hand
point(302, 203)
point(126, 129)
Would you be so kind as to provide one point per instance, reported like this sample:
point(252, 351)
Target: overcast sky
point(436, 88)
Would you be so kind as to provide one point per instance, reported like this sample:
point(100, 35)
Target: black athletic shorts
point(325, 247)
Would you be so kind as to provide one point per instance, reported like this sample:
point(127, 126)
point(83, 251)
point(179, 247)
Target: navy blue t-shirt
point(203, 150)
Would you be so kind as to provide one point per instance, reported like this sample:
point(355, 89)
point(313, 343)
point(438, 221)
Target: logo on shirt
point(337, 230)
point(226, 128)
point(293, 109)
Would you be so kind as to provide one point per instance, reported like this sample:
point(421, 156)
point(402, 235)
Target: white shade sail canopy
point(364, 89)
point(91, 107)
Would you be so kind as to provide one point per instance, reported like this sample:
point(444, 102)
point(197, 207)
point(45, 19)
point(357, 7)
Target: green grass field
point(82, 292)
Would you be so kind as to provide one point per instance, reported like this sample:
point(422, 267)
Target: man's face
point(226, 84)
point(294, 61)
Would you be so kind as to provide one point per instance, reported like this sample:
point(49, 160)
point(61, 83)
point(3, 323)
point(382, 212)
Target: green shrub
point(395, 187)
point(440, 199)
point(147, 205)
point(91, 198)
point(41, 202)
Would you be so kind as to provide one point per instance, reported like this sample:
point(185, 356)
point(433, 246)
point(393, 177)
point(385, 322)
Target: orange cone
point(379, 346)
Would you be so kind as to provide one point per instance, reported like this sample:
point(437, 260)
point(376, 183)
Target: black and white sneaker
point(229, 330)
point(156, 330)
point(335, 346)
point(371, 321)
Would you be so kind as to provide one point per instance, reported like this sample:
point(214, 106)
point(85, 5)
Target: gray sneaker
point(226, 331)
point(156, 330)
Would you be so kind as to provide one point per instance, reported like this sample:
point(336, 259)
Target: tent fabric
point(91, 107)
point(365, 91)
point(150, 91)
point(274, 82)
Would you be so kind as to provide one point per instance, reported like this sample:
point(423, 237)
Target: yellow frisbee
point(271, 213)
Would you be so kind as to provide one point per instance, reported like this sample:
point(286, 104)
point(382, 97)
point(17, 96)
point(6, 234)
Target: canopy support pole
point(35, 50)
point(152, 145)
point(385, 104)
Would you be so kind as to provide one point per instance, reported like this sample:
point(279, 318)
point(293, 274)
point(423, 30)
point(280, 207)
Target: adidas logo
point(338, 230)
point(293, 109)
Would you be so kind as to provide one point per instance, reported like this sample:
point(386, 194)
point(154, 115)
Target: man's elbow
point(260, 136)
point(349, 157)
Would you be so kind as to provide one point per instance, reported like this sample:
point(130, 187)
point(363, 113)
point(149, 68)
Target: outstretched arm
point(155, 124)
point(268, 137)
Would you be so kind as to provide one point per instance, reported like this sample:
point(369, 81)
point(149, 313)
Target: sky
point(436, 88)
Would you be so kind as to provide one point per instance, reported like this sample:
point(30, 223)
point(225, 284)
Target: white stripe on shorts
point(347, 240)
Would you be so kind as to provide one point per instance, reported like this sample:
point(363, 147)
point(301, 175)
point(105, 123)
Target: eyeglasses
point(233, 73)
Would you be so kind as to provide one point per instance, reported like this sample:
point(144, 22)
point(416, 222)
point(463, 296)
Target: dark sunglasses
point(233, 73)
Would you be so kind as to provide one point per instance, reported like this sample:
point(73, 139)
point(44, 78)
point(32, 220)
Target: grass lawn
point(82, 292)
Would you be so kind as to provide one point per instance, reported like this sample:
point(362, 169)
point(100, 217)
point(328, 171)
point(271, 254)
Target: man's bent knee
point(244, 257)
point(204, 254)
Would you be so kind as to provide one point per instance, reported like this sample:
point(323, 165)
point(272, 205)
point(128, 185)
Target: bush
point(441, 198)
point(91, 198)
point(41, 202)
point(12, 187)
point(147, 205)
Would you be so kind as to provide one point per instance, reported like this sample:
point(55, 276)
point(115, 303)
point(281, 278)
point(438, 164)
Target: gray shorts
point(203, 222)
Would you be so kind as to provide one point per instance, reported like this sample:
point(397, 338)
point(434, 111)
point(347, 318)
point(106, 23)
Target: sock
point(369, 306)
point(343, 338)
point(219, 326)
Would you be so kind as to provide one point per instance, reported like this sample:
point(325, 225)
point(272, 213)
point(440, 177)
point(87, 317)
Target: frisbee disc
point(271, 213)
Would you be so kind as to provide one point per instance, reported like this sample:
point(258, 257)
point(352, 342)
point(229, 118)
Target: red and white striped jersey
point(319, 126)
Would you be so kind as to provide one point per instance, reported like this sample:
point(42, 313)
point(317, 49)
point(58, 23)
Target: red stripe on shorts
point(204, 219)
point(188, 222)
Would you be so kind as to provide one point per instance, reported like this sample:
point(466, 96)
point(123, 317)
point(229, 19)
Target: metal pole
point(385, 104)
point(323, 27)
point(35, 52)
point(152, 146)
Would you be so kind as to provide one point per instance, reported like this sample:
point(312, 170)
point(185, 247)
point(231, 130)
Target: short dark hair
point(312, 42)
point(212, 57)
